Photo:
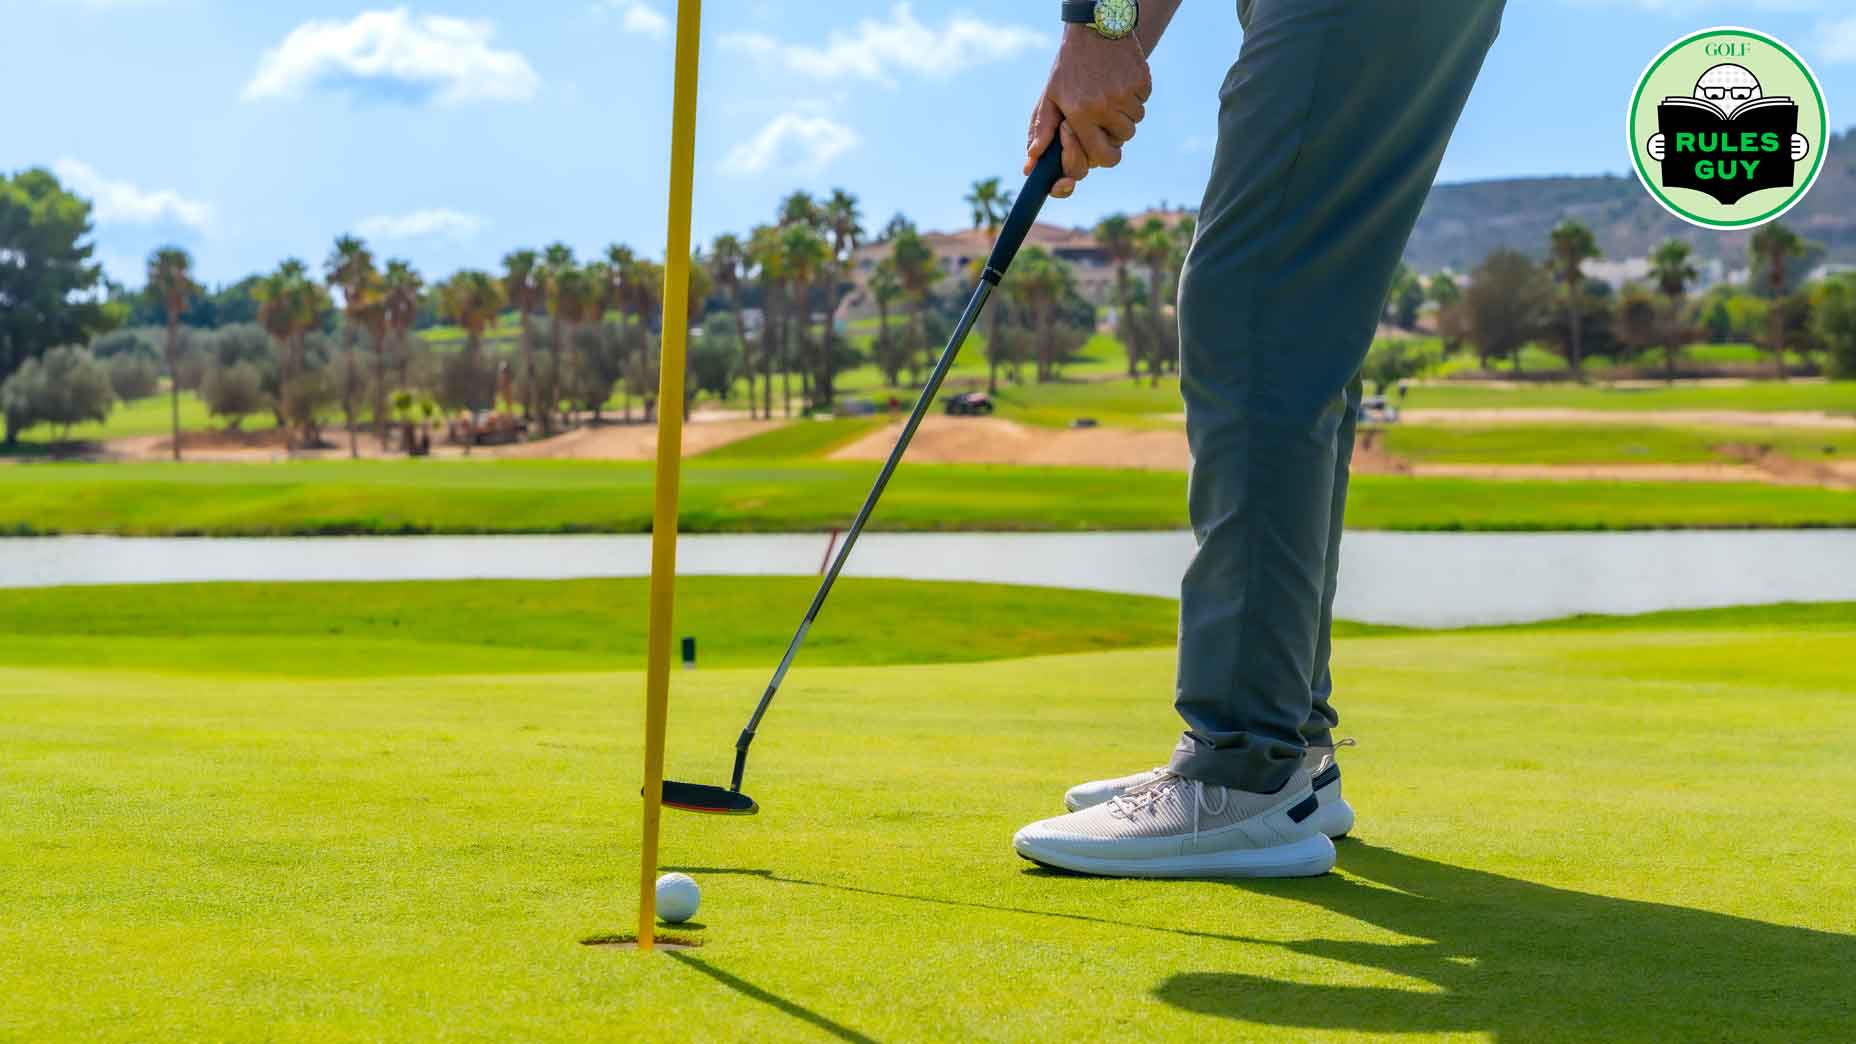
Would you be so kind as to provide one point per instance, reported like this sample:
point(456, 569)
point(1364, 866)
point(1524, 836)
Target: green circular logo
point(1727, 128)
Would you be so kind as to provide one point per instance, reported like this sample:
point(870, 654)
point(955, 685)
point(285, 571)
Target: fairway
point(1598, 830)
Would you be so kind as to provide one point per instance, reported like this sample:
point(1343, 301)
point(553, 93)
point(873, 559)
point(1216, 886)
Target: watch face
point(1115, 18)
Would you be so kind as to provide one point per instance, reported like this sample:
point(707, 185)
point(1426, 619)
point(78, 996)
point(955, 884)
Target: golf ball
point(677, 898)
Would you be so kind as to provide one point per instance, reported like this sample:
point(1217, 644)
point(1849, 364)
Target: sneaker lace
point(1144, 796)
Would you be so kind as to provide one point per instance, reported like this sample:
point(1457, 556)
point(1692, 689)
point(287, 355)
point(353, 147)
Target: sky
point(453, 132)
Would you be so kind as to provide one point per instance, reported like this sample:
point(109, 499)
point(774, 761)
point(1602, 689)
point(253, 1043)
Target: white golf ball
point(677, 898)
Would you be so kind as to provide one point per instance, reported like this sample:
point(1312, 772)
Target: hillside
point(1462, 222)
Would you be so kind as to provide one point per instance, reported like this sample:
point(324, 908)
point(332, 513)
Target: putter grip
point(1025, 210)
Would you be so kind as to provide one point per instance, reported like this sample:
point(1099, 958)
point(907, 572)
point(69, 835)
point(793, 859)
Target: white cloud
point(421, 224)
point(1836, 41)
point(638, 16)
point(396, 55)
point(878, 48)
point(791, 142)
point(125, 203)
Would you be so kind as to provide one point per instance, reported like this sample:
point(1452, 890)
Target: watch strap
point(1081, 12)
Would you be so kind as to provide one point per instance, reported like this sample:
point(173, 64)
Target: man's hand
point(1097, 92)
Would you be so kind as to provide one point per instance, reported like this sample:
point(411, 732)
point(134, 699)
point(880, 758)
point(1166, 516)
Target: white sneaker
point(1334, 818)
point(1170, 826)
point(1095, 792)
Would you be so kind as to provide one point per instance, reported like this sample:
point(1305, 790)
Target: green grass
point(1613, 830)
point(506, 627)
point(800, 440)
point(148, 416)
point(522, 496)
point(1603, 443)
point(1831, 396)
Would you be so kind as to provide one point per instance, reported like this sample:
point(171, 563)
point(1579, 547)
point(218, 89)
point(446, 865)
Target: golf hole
point(629, 941)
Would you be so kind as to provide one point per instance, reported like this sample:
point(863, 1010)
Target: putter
point(698, 797)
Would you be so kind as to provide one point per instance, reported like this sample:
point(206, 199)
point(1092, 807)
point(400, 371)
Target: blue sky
point(452, 132)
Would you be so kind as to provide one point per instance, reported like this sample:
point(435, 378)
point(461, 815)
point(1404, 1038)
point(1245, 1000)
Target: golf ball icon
point(1728, 87)
point(677, 898)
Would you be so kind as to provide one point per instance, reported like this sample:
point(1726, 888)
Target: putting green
point(1595, 831)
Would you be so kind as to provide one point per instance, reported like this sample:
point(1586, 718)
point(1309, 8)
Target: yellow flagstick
point(669, 455)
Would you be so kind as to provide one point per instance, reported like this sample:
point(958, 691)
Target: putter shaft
point(1044, 175)
point(922, 405)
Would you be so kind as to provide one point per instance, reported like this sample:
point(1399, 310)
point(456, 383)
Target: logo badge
point(1727, 128)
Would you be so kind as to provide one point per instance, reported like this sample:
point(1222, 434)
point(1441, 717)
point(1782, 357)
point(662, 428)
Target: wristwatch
point(1111, 19)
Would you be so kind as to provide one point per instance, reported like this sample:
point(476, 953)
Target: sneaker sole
point(1334, 818)
point(1309, 857)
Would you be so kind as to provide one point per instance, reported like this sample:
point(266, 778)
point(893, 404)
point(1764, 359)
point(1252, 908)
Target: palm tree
point(799, 208)
point(1571, 246)
point(701, 288)
point(522, 288)
point(401, 286)
point(765, 255)
point(806, 256)
point(726, 257)
point(1156, 247)
point(918, 270)
point(622, 264)
point(1446, 293)
point(1184, 231)
point(170, 279)
point(350, 267)
point(621, 270)
point(1039, 281)
point(842, 221)
point(990, 204)
point(561, 285)
point(1772, 246)
point(472, 300)
point(1115, 233)
point(1670, 268)
point(290, 304)
point(886, 288)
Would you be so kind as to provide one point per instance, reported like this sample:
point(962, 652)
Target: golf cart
point(1374, 409)
point(969, 404)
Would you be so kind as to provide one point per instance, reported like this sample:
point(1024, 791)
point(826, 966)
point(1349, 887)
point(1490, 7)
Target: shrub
point(68, 386)
point(138, 342)
point(233, 392)
point(305, 397)
point(133, 377)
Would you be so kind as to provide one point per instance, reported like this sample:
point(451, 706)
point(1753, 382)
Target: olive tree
point(133, 377)
point(233, 392)
point(63, 387)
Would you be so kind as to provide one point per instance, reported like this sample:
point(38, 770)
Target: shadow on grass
point(753, 992)
point(1033, 870)
point(1508, 957)
point(1524, 961)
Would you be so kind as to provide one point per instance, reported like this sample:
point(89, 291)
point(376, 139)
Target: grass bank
point(1554, 844)
point(518, 496)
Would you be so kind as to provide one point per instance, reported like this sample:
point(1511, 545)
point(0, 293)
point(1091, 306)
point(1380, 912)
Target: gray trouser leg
point(1332, 124)
point(1317, 731)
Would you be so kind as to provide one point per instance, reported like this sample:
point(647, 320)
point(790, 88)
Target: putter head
point(696, 797)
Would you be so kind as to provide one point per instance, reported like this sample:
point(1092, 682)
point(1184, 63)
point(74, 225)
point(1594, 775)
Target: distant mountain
point(1462, 222)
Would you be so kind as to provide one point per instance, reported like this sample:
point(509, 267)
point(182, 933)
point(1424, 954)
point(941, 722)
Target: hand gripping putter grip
point(697, 797)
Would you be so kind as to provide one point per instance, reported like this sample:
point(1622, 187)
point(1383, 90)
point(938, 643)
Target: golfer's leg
point(1331, 127)
point(1317, 730)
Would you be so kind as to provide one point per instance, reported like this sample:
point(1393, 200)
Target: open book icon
point(1727, 156)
